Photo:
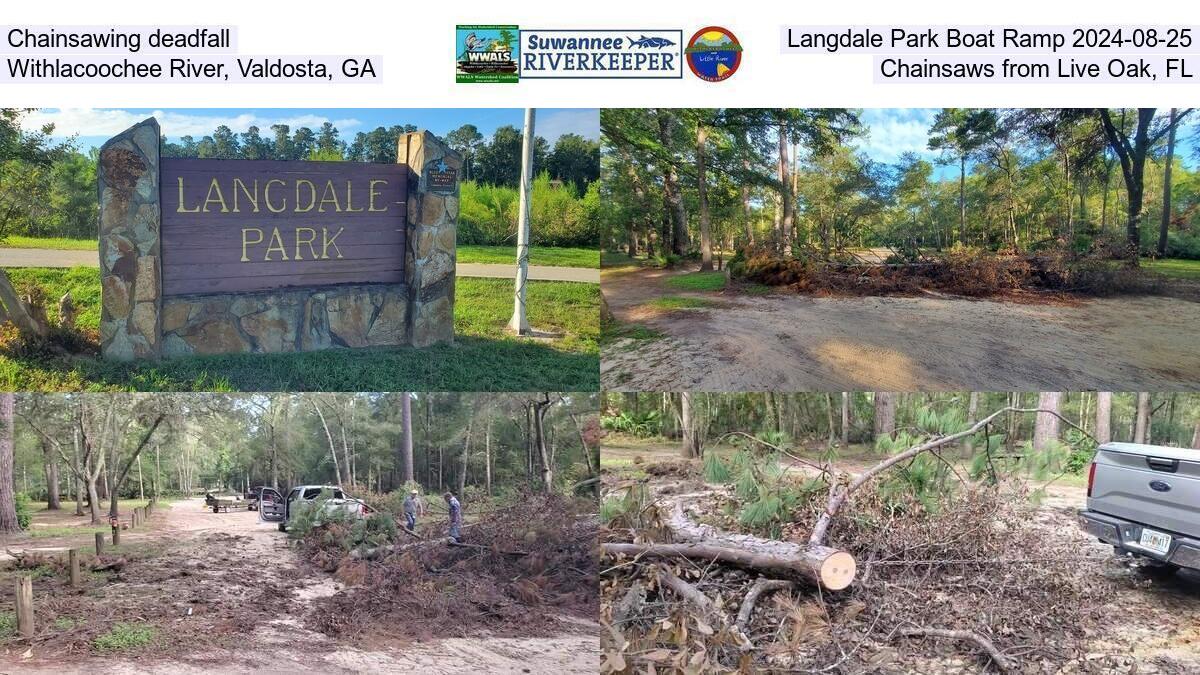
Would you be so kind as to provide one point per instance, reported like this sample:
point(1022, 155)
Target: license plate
point(1155, 541)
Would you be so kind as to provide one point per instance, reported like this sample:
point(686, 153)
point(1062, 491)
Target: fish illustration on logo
point(644, 42)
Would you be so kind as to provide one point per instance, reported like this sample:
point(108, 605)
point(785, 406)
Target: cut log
point(829, 567)
point(832, 568)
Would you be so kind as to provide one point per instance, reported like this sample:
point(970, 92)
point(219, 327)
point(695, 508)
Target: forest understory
point(980, 578)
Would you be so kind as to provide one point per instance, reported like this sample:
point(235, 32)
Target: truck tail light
point(1091, 478)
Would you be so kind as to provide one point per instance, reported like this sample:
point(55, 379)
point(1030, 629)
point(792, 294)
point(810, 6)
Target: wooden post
point(73, 556)
point(116, 535)
point(99, 543)
point(133, 519)
point(25, 606)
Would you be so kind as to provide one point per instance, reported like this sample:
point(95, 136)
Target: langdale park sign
point(203, 256)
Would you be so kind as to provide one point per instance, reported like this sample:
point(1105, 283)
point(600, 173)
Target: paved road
point(45, 257)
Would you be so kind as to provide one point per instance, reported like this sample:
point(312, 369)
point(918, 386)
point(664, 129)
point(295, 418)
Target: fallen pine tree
point(843, 512)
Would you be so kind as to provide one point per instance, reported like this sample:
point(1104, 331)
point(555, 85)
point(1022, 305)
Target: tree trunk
point(407, 447)
point(120, 473)
point(337, 471)
point(829, 419)
point(785, 193)
point(50, 465)
point(972, 416)
point(706, 264)
point(962, 198)
point(687, 424)
point(1046, 426)
point(487, 458)
point(8, 504)
point(845, 419)
point(1141, 429)
point(539, 425)
point(1196, 436)
point(671, 193)
point(1103, 417)
point(747, 210)
point(1164, 226)
point(885, 414)
point(462, 467)
point(79, 483)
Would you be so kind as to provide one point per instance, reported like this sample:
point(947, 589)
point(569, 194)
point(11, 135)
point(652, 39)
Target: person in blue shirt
point(455, 516)
point(412, 508)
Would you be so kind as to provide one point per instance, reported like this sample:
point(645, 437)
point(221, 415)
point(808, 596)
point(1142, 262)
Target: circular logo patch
point(714, 54)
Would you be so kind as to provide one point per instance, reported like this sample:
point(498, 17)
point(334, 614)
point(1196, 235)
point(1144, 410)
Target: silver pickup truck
point(1145, 501)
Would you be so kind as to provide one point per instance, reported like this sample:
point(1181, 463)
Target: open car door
point(270, 505)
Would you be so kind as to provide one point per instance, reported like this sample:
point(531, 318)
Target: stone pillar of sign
point(130, 251)
point(432, 227)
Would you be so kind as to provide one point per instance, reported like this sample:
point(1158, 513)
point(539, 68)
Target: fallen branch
point(693, 595)
point(839, 495)
point(685, 590)
point(1002, 662)
point(380, 551)
point(461, 544)
point(761, 586)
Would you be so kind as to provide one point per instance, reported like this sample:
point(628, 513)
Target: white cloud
point(95, 122)
point(586, 123)
point(894, 131)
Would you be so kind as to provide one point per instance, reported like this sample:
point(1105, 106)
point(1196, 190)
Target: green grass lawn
point(483, 358)
point(669, 302)
point(1176, 268)
point(698, 281)
point(553, 257)
point(618, 259)
point(62, 243)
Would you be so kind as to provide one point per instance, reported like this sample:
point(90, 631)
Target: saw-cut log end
point(837, 571)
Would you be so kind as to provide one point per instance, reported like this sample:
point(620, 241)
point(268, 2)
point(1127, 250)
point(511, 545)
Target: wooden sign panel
point(232, 226)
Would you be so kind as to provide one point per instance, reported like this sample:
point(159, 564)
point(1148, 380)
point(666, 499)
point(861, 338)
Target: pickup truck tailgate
point(1151, 485)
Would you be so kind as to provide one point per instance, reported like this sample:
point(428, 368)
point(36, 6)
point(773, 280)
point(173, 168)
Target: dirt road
point(227, 567)
point(789, 342)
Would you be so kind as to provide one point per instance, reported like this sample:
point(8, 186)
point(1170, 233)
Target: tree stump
point(25, 625)
point(99, 543)
point(73, 557)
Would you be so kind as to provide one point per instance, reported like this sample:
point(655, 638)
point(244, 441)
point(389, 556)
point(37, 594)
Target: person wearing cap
point(455, 516)
point(412, 508)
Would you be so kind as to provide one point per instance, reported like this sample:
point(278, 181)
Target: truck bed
point(1155, 486)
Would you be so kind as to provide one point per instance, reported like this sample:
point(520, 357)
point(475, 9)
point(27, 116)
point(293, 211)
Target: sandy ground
point(789, 342)
point(283, 644)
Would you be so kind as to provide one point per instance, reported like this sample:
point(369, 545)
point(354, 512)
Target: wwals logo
point(486, 54)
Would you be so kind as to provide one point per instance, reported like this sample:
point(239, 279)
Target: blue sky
point(93, 126)
point(894, 131)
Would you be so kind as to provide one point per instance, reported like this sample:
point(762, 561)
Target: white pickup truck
point(1144, 500)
